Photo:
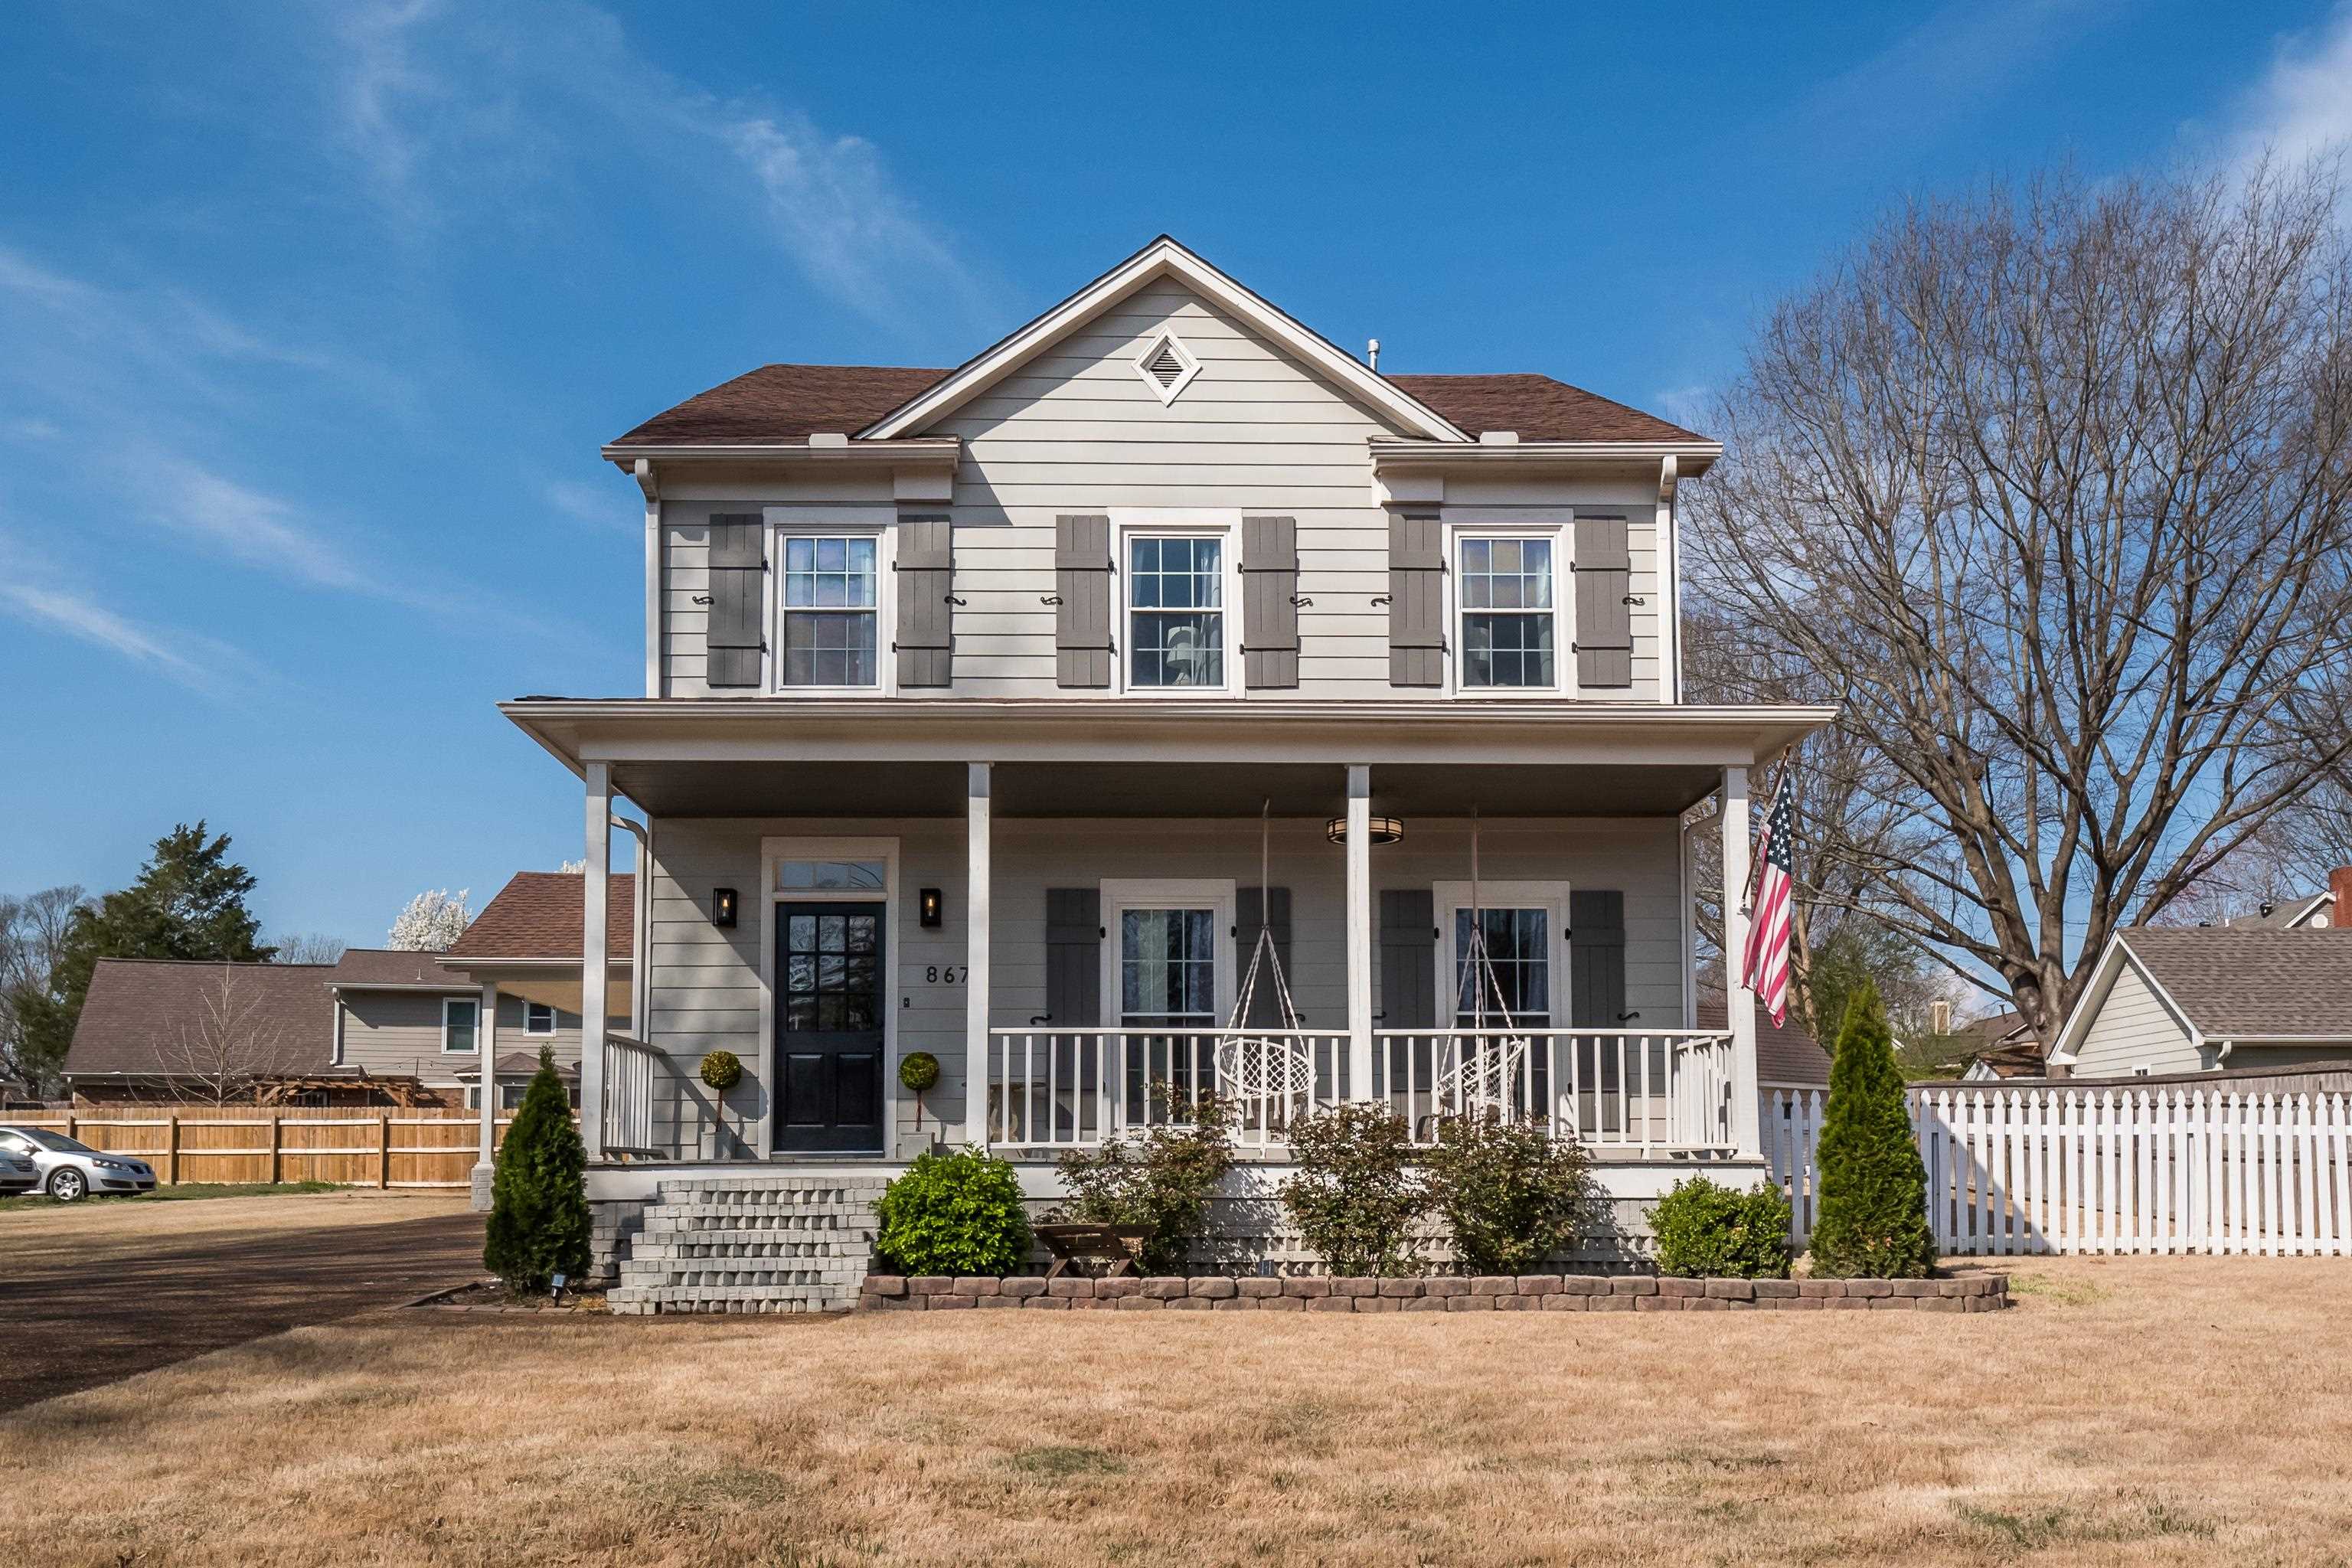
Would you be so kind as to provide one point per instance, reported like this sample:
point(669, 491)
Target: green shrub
point(1159, 1180)
point(539, 1190)
point(1874, 1206)
point(1356, 1193)
point(1511, 1194)
point(954, 1213)
point(1705, 1228)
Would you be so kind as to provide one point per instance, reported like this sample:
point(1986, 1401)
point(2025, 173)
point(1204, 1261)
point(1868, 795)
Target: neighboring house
point(964, 692)
point(2000, 1046)
point(2178, 999)
point(1786, 1055)
point(379, 1025)
point(519, 963)
point(2303, 911)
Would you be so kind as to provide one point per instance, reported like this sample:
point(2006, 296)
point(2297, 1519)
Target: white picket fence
point(2105, 1170)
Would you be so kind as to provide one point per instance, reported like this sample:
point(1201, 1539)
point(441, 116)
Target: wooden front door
point(830, 964)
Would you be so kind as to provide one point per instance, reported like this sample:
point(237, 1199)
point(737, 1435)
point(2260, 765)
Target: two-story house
point(998, 712)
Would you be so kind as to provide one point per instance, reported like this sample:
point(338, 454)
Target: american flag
point(1764, 969)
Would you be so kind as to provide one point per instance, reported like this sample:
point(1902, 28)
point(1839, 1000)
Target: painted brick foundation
point(1492, 1293)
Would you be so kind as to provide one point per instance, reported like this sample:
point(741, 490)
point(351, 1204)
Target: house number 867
point(949, 975)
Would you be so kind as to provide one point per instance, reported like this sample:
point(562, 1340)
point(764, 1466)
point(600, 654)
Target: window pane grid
point(1176, 595)
point(1507, 613)
point(1518, 951)
point(830, 631)
point(1167, 969)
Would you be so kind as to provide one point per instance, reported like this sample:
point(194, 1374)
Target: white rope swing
point(1486, 1068)
point(1270, 1074)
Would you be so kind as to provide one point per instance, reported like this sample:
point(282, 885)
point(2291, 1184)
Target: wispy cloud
point(248, 525)
point(447, 110)
point(2303, 105)
point(199, 663)
point(598, 506)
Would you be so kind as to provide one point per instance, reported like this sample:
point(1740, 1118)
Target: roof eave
point(915, 448)
point(1691, 458)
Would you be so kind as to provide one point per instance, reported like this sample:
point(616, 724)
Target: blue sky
point(312, 317)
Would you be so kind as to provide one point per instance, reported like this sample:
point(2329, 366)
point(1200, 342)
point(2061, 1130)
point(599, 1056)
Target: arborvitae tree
point(538, 1194)
point(1874, 1213)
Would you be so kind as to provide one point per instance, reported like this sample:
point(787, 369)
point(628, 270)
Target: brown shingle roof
point(2248, 981)
point(791, 401)
point(364, 966)
point(1784, 1053)
point(538, 914)
point(154, 1017)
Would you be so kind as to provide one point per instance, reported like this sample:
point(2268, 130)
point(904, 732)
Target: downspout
point(1667, 479)
point(641, 924)
point(2222, 1058)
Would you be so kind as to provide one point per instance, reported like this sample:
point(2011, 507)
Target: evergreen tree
point(1874, 1203)
point(539, 1193)
point(187, 902)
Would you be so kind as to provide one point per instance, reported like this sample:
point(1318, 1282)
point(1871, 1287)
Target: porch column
point(1359, 931)
point(1739, 1002)
point(486, 1040)
point(975, 955)
point(593, 950)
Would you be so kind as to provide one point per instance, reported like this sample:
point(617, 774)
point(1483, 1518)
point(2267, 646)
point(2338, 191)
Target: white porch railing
point(1623, 1092)
point(1620, 1092)
point(634, 1075)
point(1060, 1089)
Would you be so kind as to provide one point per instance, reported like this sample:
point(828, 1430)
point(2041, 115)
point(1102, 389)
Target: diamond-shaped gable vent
point(1166, 366)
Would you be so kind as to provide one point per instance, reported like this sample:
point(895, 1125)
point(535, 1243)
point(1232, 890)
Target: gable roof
point(2289, 913)
point(538, 914)
point(781, 404)
point(1785, 1053)
point(142, 1014)
point(2251, 982)
point(361, 968)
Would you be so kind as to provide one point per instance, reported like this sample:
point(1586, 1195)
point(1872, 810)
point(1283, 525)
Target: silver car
point(69, 1171)
point(17, 1174)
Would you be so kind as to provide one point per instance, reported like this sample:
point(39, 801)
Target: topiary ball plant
point(954, 1213)
point(722, 1070)
point(919, 1072)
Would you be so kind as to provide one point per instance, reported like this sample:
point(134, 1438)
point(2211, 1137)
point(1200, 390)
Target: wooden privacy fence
point(236, 1144)
point(2105, 1170)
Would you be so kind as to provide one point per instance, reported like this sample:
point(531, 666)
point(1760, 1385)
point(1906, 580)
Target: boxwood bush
point(1704, 1228)
point(954, 1213)
point(1357, 1191)
point(1512, 1194)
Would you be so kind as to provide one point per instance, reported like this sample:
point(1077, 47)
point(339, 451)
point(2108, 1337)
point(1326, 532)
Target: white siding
point(706, 981)
point(2133, 1028)
point(1078, 430)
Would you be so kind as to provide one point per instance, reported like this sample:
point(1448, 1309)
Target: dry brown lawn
point(98, 1229)
point(2133, 1411)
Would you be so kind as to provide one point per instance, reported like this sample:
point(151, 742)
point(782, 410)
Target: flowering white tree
point(432, 923)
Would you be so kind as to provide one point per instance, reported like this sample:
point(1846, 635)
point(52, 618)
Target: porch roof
point(1144, 757)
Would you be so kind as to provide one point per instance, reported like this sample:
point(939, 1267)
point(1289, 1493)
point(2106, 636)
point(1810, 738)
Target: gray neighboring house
point(2182, 999)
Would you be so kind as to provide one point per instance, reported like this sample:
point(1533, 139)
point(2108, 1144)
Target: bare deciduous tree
point(227, 1044)
point(32, 936)
point(308, 947)
point(2051, 492)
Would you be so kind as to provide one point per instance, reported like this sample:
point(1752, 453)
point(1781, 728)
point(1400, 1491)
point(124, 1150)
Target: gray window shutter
point(1266, 1007)
point(1408, 964)
point(1082, 642)
point(1416, 601)
point(1074, 957)
point(1596, 959)
point(1269, 602)
point(732, 640)
point(925, 638)
point(1604, 622)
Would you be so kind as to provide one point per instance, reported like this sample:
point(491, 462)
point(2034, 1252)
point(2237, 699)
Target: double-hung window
point(1175, 611)
point(831, 611)
point(1510, 619)
point(538, 1018)
point(460, 1017)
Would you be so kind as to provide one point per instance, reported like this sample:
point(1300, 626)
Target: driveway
point(73, 1324)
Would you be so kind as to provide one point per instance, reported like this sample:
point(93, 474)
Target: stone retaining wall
point(1490, 1293)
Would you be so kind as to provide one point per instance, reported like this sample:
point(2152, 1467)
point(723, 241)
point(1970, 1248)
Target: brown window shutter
point(1082, 568)
point(1604, 622)
point(1270, 602)
point(924, 640)
point(1416, 601)
point(733, 635)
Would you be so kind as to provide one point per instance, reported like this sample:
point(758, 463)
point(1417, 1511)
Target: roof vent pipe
point(1372, 354)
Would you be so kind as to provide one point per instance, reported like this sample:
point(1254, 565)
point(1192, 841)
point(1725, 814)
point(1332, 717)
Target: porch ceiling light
point(1384, 830)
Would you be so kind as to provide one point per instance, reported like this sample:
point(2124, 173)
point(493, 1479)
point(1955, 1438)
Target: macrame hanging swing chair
point(1487, 1066)
point(1269, 1078)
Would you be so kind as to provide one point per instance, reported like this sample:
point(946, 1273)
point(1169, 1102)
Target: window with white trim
point(461, 1019)
point(829, 622)
point(538, 1018)
point(1175, 611)
point(1508, 606)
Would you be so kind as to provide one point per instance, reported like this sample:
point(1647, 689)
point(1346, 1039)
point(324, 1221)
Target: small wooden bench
point(1121, 1245)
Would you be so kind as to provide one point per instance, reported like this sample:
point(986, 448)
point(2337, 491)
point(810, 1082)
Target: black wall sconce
point(722, 906)
point(929, 906)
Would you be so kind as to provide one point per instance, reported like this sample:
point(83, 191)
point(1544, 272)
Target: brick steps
point(749, 1243)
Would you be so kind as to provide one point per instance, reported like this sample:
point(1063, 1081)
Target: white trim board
point(773, 852)
point(1164, 257)
point(1170, 893)
point(1450, 898)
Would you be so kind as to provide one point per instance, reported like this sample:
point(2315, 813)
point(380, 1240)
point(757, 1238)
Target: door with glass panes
point(829, 1027)
point(1169, 985)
